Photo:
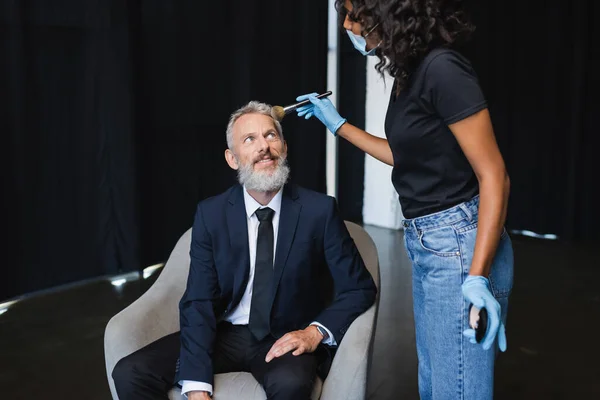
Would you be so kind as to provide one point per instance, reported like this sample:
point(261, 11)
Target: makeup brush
point(278, 112)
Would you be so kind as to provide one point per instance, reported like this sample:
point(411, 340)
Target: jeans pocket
point(441, 241)
point(501, 273)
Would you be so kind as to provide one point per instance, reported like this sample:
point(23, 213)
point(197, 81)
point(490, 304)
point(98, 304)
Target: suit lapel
point(238, 239)
point(288, 221)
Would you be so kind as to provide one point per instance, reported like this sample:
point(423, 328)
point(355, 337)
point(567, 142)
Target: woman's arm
point(377, 147)
point(475, 136)
point(326, 112)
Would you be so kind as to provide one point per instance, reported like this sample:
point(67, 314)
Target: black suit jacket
point(318, 272)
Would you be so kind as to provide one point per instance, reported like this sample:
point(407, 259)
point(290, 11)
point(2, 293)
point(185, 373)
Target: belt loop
point(465, 209)
point(414, 225)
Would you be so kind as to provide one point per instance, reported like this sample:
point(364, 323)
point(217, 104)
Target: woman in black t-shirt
point(451, 181)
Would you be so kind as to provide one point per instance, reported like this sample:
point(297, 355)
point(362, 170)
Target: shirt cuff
point(330, 341)
point(190, 386)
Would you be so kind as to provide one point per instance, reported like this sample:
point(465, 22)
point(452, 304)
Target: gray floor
point(51, 345)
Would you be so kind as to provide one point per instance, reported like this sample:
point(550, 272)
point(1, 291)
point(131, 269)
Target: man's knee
point(288, 383)
point(122, 372)
point(128, 373)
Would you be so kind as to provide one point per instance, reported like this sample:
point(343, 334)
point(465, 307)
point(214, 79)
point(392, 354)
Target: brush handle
point(292, 107)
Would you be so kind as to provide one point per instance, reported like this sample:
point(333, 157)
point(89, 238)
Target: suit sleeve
point(355, 290)
point(196, 308)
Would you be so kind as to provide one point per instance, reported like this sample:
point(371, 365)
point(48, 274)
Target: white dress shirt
point(240, 315)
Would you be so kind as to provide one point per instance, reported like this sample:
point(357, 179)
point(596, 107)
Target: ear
point(285, 147)
point(231, 159)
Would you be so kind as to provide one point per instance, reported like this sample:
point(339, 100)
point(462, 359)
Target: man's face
point(259, 152)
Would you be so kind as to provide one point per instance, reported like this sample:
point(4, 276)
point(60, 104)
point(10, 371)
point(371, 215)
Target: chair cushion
point(240, 386)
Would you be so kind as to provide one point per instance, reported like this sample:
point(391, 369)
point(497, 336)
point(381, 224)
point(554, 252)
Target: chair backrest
point(366, 248)
point(176, 270)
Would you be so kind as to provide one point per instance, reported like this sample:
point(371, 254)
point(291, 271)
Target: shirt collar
point(253, 205)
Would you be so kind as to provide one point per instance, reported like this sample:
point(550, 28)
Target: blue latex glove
point(323, 109)
point(476, 290)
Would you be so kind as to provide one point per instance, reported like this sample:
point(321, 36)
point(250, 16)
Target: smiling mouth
point(266, 160)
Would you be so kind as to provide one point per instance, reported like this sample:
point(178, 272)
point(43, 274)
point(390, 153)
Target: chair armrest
point(150, 317)
point(348, 375)
point(153, 315)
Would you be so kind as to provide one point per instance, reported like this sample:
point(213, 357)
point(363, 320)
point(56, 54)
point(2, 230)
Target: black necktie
point(259, 323)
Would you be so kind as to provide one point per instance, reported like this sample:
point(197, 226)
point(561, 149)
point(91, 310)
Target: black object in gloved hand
point(478, 320)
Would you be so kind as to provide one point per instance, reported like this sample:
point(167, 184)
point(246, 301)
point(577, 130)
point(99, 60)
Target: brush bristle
point(278, 113)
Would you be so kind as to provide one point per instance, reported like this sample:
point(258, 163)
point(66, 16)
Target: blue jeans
point(440, 247)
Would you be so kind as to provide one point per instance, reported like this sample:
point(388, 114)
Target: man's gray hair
point(253, 107)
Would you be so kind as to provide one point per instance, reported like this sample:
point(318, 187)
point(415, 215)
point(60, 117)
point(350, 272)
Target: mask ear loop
point(371, 31)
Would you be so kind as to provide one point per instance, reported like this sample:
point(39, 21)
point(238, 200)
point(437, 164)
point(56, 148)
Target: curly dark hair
point(408, 30)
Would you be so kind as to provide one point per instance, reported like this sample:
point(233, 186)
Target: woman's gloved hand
point(323, 109)
point(476, 290)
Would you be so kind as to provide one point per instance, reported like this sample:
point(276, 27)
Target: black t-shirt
point(431, 173)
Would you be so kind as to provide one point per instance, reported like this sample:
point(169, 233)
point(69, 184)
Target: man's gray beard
point(262, 181)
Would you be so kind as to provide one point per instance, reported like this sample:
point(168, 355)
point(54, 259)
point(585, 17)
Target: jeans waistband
point(467, 210)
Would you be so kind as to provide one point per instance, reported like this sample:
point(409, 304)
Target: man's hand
point(304, 341)
point(198, 395)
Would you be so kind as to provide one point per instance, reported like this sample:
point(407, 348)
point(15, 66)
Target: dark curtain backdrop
point(538, 64)
point(113, 122)
point(352, 82)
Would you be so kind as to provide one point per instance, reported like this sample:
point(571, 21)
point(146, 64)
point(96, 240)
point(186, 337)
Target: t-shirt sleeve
point(452, 88)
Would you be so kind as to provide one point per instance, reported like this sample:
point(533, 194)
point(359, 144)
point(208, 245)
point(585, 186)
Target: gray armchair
point(155, 314)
